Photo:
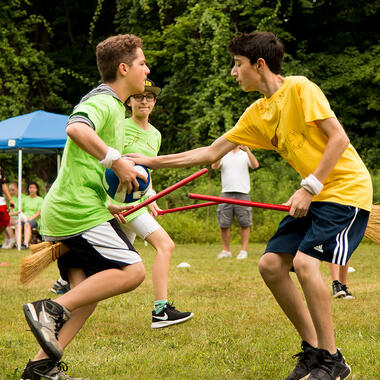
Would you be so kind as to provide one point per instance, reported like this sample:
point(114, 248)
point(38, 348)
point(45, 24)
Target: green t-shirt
point(15, 201)
point(31, 205)
point(138, 140)
point(77, 200)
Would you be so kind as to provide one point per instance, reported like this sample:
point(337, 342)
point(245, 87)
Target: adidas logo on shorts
point(319, 248)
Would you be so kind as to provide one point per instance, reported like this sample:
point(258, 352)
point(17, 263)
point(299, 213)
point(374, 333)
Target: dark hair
point(113, 51)
point(35, 184)
point(259, 45)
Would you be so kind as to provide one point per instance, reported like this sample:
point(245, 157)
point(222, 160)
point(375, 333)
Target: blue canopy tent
point(36, 132)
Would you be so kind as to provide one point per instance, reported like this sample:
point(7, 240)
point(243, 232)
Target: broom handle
point(239, 202)
point(166, 191)
point(184, 208)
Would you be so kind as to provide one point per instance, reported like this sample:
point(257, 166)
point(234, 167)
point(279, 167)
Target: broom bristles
point(373, 228)
point(38, 261)
point(34, 248)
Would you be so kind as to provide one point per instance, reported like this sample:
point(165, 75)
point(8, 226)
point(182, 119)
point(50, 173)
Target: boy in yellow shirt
point(328, 213)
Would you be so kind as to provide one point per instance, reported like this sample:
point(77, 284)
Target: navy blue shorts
point(329, 232)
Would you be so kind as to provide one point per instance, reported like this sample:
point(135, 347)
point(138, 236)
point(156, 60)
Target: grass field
point(238, 331)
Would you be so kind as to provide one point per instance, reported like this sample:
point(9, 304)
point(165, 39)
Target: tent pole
point(58, 161)
point(19, 198)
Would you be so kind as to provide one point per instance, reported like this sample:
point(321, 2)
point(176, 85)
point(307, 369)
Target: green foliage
point(29, 79)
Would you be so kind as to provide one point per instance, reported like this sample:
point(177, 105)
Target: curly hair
point(259, 45)
point(114, 50)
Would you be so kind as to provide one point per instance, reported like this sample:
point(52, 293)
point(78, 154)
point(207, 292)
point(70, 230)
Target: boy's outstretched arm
point(88, 140)
point(337, 143)
point(199, 156)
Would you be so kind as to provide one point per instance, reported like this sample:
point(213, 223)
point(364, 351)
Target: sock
point(159, 305)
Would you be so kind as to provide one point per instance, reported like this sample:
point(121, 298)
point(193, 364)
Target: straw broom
point(373, 228)
point(43, 254)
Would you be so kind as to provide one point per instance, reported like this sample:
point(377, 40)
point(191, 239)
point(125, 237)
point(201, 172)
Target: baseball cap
point(151, 86)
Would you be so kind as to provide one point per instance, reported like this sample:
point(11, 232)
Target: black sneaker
point(307, 360)
point(45, 318)
point(337, 289)
point(46, 369)
point(169, 316)
point(329, 368)
point(348, 295)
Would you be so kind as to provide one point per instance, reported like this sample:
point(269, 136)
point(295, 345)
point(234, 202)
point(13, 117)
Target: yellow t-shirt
point(285, 122)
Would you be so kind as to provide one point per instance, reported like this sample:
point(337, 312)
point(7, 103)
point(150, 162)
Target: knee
point(139, 273)
point(301, 267)
point(166, 247)
point(269, 266)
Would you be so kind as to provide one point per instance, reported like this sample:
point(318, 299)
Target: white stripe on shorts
point(341, 248)
point(109, 244)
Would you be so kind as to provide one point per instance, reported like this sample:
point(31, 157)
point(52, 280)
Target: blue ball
point(111, 183)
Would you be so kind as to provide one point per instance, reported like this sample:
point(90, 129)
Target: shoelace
point(303, 356)
point(62, 366)
point(300, 355)
point(59, 322)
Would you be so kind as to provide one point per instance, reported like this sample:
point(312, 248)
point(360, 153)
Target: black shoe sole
point(52, 351)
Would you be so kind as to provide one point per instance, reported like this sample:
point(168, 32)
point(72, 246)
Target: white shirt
point(235, 172)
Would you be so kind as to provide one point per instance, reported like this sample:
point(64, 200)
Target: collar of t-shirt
point(101, 89)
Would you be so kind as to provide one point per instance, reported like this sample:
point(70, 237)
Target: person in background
point(339, 274)
point(4, 215)
point(10, 231)
point(31, 208)
point(236, 185)
point(143, 137)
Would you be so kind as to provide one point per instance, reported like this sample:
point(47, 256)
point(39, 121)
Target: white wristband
point(111, 156)
point(312, 185)
point(150, 193)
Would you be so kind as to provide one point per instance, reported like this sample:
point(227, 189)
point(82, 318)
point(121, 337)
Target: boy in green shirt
point(101, 262)
point(143, 137)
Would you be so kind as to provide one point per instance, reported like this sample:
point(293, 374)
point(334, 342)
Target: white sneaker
point(5, 244)
point(224, 254)
point(11, 244)
point(242, 255)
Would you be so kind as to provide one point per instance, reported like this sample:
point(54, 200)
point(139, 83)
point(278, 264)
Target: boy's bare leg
point(87, 291)
point(317, 298)
point(164, 246)
point(77, 318)
point(244, 233)
point(343, 273)
point(27, 233)
point(225, 235)
point(102, 285)
point(274, 269)
point(334, 271)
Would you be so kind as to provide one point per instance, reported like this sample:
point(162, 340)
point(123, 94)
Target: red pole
point(166, 191)
point(239, 202)
point(184, 208)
